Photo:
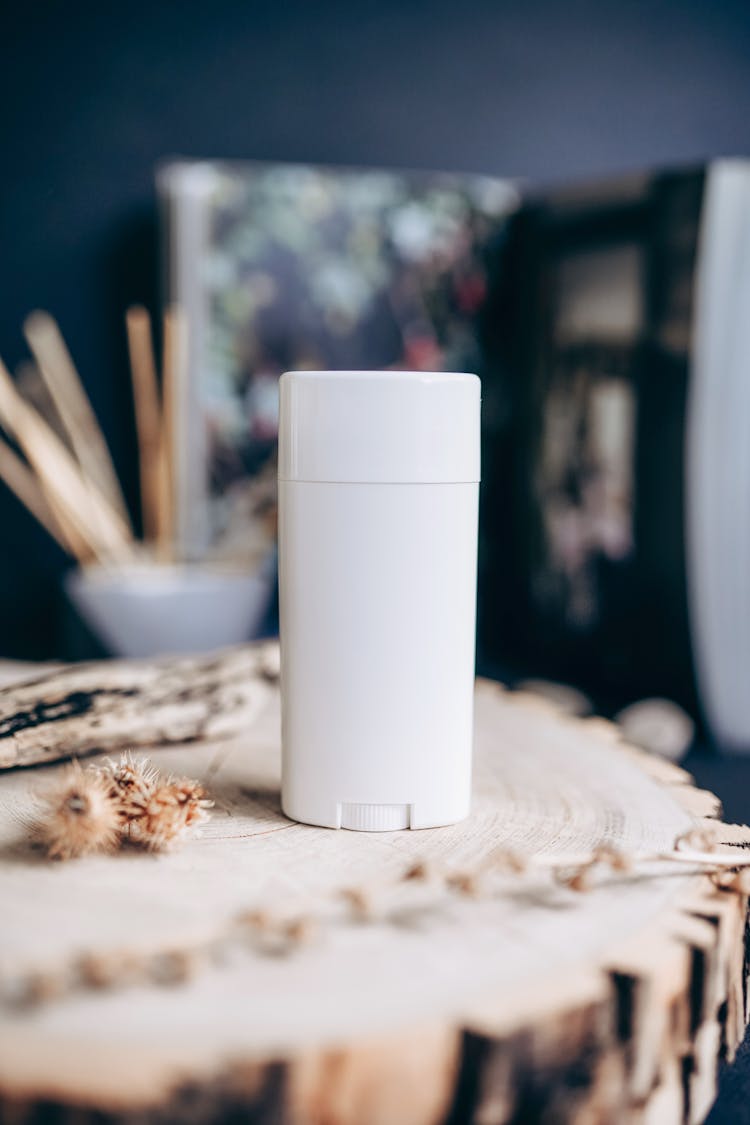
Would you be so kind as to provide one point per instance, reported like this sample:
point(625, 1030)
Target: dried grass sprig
point(272, 933)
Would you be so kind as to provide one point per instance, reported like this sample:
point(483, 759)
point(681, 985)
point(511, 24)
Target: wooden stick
point(148, 417)
point(64, 384)
point(173, 367)
point(111, 705)
point(30, 384)
point(71, 497)
point(32, 388)
point(25, 486)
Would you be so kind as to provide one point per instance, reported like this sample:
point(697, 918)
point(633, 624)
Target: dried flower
point(506, 861)
point(301, 931)
point(42, 986)
point(419, 872)
point(259, 921)
point(173, 966)
point(95, 809)
point(132, 781)
point(192, 799)
point(97, 970)
point(732, 880)
point(169, 810)
point(579, 880)
point(80, 815)
point(359, 901)
point(701, 839)
point(611, 857)
point(466, 883)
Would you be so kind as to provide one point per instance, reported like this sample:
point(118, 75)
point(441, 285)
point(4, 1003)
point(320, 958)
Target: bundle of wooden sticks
point(58, 464)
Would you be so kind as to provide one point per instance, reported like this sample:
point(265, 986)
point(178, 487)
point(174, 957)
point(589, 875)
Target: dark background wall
point(91, 97)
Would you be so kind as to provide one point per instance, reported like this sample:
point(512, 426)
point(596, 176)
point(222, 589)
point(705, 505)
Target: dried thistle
point(168, 811)
point(80, 815)
point(132, 781)
point(192, 797)
point(95, 809)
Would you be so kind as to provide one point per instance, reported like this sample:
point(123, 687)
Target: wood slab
point(413, 1004)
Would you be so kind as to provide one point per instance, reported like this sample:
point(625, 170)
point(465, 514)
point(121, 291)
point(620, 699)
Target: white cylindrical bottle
point(378, 504)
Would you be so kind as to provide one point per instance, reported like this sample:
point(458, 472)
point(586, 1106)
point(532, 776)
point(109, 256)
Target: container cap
point(379, 427)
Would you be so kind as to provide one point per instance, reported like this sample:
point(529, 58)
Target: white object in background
point(378, 508)
point(718, 457)
point(149, 610)
point(658, 725)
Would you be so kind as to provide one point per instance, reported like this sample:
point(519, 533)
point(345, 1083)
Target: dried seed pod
point(192, 798)
point(80, 815)
point(40, 987)
point(109, 969)
point(171, 967)
point(257, 920)
point(169, 811)
point(579, 880)
point(132, 780)
point(96, 970)
point(14, 992)
point(301, 931)
point(506, 860)
point(741, 882)
point(732, 880)
point(419, 872)
point(610, 857)
point(465, 883)
point(360, 903)
point(702, 839)
point(576, 878)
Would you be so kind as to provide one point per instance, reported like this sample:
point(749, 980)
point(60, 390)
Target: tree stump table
point(272, 972)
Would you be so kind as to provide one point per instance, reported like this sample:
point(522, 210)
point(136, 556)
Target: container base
point(368, 817)
point(374, 818)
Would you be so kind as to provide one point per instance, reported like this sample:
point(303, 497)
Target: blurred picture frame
point(289, 266)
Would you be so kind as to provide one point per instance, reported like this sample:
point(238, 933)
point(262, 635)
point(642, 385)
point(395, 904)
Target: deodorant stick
point(378, 508)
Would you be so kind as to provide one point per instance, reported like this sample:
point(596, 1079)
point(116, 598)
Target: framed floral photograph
point(283, 266)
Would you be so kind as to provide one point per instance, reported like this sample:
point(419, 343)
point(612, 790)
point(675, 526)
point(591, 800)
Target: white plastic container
point(378, 506)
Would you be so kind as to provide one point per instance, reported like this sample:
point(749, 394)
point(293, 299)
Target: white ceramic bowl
point(146, 609)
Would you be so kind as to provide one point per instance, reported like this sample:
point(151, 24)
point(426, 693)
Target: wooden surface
point(413, 1003)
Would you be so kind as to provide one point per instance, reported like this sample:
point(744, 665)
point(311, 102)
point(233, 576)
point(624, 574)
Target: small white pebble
point(658, 725)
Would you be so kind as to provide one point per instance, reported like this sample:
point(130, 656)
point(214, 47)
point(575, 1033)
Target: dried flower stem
point(267, 933)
